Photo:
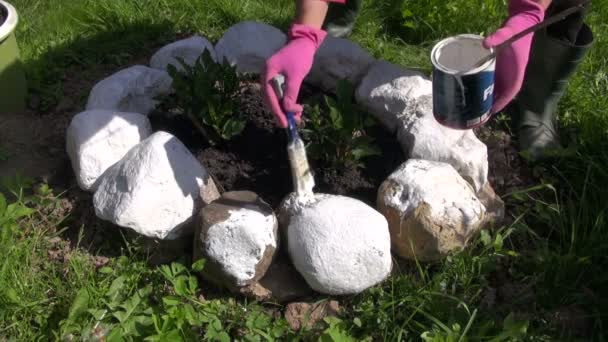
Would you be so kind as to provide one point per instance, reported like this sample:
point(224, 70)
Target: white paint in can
point(460, 53)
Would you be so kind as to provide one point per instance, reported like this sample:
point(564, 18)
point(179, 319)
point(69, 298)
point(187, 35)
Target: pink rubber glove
point(511, 61)
point(294, 61)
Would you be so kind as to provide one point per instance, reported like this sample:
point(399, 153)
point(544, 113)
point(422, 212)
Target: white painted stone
point(97, 139)
point(422, 137)
point(338, 59)
point(155, 189)
point(390, 92)
point(249, 44)
point(338, 244)
point(428, 205)
point(130, 90)
point(188, 49)
point(239, 242)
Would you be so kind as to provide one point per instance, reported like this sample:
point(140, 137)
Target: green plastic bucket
point(13, 88)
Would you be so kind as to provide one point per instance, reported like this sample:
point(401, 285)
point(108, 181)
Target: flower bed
point(170, 149)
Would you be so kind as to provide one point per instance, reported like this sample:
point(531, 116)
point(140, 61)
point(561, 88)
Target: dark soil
point(256, 160)
point(508, 172)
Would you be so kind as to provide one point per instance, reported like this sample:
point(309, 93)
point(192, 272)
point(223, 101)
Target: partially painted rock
point(390, 93)
point(188, 49)
point(339, 59)
point(237, 235)
point(155, 189)
point(430, 209)
point(248, 45)
point(130, 90)
point(422, 137)
point(97, 139)
point(338, 244)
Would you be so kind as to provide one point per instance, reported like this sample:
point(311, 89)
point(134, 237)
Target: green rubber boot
point(340, 19)
point(552, 62)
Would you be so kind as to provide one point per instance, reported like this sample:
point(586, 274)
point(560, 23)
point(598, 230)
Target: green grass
point(554, 252)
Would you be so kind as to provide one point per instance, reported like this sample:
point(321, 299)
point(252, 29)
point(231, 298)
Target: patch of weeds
point(32, 287)
point(207, 94)
point(440, 302)
point(338, 137)
point(164, 304)
point(566, 249)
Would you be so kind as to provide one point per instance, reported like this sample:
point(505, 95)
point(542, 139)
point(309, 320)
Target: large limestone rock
point(338, 244)
point(237, 235)
point(130, 90)
point(155, 189)
point(188, 49)
point(97, 139)
point(431, 210)
point(389, 92)
point(422, 137)
point(339, 59)
point(248, 45)
point(401, 99)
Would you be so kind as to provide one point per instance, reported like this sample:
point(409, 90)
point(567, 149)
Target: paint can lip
point(437, 48)
point(10, 23)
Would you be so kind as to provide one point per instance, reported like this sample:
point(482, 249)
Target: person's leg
point(555, 55)
point(341, 18)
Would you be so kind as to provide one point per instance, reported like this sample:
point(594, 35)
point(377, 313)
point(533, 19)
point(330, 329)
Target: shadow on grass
point(87, 55)
point(66, 73)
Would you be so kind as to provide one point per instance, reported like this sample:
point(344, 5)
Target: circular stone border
point(397, 97)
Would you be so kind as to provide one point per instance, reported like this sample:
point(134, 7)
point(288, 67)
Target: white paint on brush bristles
point(340, 245)
point(238, 243)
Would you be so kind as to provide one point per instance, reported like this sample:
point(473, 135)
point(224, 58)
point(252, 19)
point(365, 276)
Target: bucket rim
point(445, 41)
point(11, 20)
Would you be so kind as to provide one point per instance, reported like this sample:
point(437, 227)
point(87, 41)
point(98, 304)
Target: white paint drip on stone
point(239, 242)
point(340, 245)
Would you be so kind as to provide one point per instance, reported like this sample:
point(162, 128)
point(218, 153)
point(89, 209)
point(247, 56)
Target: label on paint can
point(462, 102)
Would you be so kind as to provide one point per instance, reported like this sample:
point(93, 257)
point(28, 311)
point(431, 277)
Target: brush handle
point(278, 82)
point(552, 20)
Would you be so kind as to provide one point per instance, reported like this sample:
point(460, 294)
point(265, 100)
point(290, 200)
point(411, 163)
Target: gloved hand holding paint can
point(466, 93)
point(462, 97)
point(471, 81)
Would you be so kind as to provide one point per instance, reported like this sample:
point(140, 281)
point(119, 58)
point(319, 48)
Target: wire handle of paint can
point(278, 83)
point(552, 20)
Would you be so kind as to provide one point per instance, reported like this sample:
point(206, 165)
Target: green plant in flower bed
point(206, 93)
point(338, 137)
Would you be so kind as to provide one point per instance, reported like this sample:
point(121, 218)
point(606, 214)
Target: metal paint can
point(462, 100)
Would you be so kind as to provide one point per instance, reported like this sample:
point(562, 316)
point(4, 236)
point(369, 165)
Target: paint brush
point(303, 180)
point(552, 20)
